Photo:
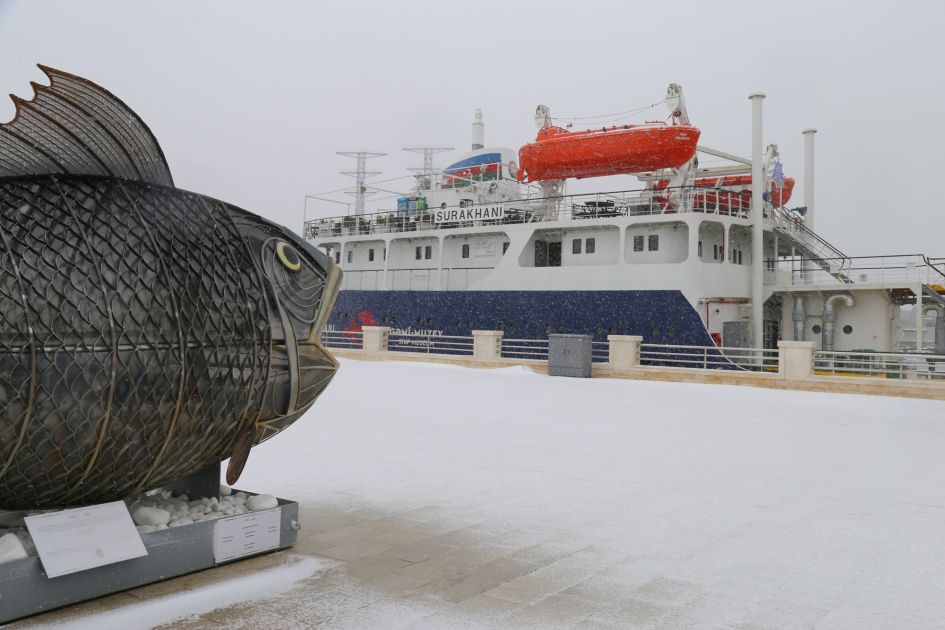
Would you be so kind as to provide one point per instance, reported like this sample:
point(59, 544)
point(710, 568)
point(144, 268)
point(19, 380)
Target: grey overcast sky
point(250, 100)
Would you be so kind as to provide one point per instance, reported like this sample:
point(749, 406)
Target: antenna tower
point(426, 173)
point(360, 175)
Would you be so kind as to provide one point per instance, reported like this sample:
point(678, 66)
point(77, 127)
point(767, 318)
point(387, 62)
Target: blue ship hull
point(658, 316)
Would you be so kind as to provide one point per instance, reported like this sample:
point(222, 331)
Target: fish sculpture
point(146, 332)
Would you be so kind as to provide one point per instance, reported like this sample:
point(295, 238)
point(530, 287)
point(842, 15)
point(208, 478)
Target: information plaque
point(246, 534)
point(83, 538)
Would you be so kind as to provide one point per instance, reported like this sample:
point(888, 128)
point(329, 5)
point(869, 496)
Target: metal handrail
point(578, 206)
point(901, 365)
point(895, 267)
point(419, 342)
point(707, 357)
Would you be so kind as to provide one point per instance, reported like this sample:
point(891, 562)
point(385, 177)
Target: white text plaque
point(246, 534)
point(84, 538)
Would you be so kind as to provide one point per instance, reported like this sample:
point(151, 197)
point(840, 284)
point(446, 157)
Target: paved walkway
point(440, 497)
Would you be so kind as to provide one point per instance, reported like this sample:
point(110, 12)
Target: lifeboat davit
point(734, 191)
point(559, 154)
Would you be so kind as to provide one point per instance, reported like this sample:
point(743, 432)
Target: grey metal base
point(25, 590)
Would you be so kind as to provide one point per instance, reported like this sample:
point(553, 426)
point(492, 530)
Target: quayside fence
point(792, 360)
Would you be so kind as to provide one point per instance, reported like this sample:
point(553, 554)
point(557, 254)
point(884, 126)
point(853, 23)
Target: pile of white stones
point(162, 509)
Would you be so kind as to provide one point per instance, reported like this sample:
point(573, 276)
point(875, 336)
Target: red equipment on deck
point(735, 191)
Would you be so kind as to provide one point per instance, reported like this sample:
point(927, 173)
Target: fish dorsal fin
point(75, 126)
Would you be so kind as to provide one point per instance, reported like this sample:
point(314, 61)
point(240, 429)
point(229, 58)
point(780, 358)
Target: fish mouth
point(302, 366)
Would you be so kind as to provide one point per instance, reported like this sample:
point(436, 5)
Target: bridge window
point(370, 255)
point(349, 255)
point(419, 253)
point(590, 246)
point(576, 246)
point(638, 243)
point(428, 252)
point(338, 257)
point(700, 248)
point(466, 250)
point(505, 247)
point(654, 243)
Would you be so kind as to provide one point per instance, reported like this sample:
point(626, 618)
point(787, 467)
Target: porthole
point(816, 329)
point(848, 329)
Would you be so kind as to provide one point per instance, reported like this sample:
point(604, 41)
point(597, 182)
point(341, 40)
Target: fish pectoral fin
point(239, 456)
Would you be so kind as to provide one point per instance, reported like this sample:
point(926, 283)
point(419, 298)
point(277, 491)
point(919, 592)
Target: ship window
point(739, 257)
point(815, 329)
point(505, 247)
point(715, 252)
point(576, 246)
point(419, 253)
point(428, 252)
point(338, 257)
point(385, 253)
point(654, 243)
point(590, 246)
point(638, 243)
point(700, 248)
point(349, 255)
point(370, 255)
point(466, 250)
point(847, 329)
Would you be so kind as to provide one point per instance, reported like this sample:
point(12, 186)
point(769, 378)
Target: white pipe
point(758, 227)
point(809, 176)
point(939, 326)
point(799, 316)
point(478, 131)
point(830, 316)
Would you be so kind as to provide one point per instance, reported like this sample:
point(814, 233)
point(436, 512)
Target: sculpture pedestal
point(25, 590)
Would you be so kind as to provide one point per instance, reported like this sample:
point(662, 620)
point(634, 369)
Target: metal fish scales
point(146, 332)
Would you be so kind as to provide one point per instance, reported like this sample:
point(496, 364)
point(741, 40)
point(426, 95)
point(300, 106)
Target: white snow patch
point(163, 610)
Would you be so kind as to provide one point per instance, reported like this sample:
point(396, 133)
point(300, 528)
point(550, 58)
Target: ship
point(693, 255)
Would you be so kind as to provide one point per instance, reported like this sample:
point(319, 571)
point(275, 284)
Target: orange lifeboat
point(560, 154)
point(734, 191)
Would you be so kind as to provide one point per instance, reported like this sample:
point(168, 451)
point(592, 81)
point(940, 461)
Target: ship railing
point(709, 357)
point(430, 344)
point(531, 209)
point(600, 352)
point(895, 270)
point(525, 349)
point(892, 365)
point(351, 339)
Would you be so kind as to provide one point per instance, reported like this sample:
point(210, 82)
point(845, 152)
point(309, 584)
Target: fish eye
point(288, 256)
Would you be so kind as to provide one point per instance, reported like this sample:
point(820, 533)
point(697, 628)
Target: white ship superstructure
point(672, 261)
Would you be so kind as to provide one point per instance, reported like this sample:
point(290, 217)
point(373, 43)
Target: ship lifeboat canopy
point(560, 154)
point(741, 186)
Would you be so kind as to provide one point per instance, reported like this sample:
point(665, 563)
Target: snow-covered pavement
point(439, 496)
